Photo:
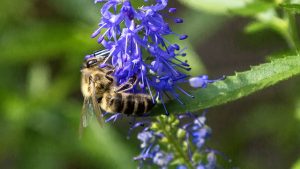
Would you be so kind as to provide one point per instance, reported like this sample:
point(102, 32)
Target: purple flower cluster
point(136, 45)
point(190, 136)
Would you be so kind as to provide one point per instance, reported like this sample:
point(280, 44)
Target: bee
point(100, 92)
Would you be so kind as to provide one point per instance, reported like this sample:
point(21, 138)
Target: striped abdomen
point(127, 103)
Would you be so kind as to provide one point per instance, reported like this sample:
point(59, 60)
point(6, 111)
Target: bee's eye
point(91, 63)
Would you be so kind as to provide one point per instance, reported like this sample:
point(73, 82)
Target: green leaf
point(256, 27)
point(214, 6)
point(296, 165)
point(253, 8)
point(236, 86)
point(291, 7)
point(42, 40)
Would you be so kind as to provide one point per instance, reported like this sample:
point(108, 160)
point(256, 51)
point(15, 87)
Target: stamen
point(100, 39)
point(183, 91)
point(163, 103)
point(113, 117)
point(172, 10)
point(149, 89)
point(98, 31)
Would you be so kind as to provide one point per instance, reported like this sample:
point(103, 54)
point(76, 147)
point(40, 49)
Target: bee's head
point(90, 63)
point(92, 60)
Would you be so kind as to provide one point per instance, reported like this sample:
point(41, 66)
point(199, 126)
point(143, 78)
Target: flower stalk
point(168, 126)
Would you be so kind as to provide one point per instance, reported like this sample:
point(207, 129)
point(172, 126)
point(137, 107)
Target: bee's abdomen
point(112, 102)
point(127, 103)
point(145, 105)
point(136, 104)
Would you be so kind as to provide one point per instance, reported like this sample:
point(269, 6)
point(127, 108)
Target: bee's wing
point(86, 114)
point(96, 106)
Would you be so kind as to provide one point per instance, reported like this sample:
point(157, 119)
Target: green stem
point(285, 26)
point(292, 29)
point(284, 31)
point(177, 148)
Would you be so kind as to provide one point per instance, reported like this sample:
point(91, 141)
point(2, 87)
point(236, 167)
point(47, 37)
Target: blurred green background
point(42, 44)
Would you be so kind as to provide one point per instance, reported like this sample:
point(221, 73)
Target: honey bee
point(101, 92)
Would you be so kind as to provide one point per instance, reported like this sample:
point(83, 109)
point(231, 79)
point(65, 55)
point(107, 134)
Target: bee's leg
point(110, 78)
point(109, 69)
point(127, 85)
point(109, 72)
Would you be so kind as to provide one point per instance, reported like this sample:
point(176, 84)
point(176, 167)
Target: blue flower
point(162, 159)
point(181, 167)
point(152, 154)
point(146, 138)
point(200, 166)
point(200, 132)
point(211, 161)
point(135, 44)
point(202, 81)
point(190, 132)
point(149, 149)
